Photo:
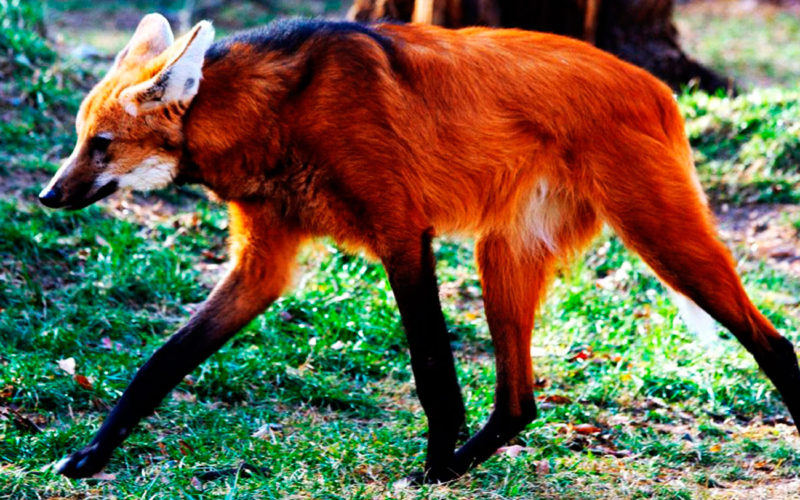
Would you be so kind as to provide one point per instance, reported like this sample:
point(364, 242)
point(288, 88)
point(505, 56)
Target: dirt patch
point(18, 184)
point(151, 209)
point(750, 489)
point(764, 233)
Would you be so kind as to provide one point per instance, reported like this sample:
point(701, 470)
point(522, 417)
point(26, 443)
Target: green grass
point(323, 377)
point(755, 44)
point(327, 366)
point(747, 148)
point(39, 91)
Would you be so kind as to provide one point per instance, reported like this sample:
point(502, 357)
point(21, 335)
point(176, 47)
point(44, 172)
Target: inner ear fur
point(179, 79)
point(152, 37)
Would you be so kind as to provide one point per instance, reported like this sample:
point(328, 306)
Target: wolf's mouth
point(92, 197)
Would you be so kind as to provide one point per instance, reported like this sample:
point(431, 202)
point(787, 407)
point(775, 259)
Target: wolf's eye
point(99, 143)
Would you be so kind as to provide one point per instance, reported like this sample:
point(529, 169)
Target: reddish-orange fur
point(527, 142)
point(455, 146)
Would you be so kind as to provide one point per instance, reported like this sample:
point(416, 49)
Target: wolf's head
point(129, 126)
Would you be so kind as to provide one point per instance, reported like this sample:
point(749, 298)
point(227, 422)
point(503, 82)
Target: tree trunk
point(641, 32)
point(638, 31)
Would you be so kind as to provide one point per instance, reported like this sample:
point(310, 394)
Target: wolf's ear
point(152, 37)
point(179, 80)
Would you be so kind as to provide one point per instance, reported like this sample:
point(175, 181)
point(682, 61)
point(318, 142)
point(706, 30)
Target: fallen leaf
point(784, 252)
point(185, 448)
point(208, 254)
point(586, 429)
point(104, 476)
point(581, 355)
point(364, 470)
point(82, 381)
point(542, 467)
point(22, 420)
point(402, 484)
point(557, 399)
point(107, 343)
point(196, 483)
point(512, 451)
point(184, 396)
point(267, 431)
point(763, 466)
point(68, 365)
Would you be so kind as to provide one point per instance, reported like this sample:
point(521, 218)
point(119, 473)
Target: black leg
point(412, 276)
point(513, 285)
point(248, 289)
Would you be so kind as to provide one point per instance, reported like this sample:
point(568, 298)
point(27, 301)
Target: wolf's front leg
point(259, 274)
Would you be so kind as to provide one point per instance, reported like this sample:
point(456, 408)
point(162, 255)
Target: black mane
point(287, 35)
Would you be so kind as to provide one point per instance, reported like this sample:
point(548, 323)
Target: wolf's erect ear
point(152, 37)
point(179, 80)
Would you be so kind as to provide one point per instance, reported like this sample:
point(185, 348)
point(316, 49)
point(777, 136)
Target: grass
point(754, 43)
point(327, 369)
point(316, 394)
point(747, 148)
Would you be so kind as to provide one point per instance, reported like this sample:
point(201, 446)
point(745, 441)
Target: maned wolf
point(384, 136)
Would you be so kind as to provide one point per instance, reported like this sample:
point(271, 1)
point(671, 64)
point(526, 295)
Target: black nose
point(50, 197)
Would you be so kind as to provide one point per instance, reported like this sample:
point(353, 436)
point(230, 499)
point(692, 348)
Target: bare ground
point(765, 232)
